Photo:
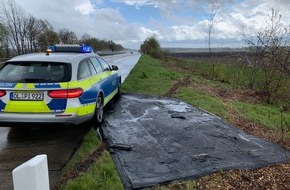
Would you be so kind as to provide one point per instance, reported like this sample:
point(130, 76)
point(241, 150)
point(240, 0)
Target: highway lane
point(125, 62)
point(18, 145)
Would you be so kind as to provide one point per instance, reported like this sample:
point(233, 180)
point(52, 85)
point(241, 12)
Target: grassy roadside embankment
point(92, 168)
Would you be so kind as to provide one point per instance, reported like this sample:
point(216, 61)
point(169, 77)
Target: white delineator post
point(32, 175)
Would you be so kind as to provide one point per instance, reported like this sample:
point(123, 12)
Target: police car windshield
point(35, 72)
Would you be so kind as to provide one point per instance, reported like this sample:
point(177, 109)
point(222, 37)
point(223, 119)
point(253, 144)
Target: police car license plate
point(36, 96)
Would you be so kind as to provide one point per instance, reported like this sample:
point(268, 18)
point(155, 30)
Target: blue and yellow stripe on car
point(92, 86)
point(45, 106)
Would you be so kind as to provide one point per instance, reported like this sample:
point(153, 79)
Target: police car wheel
point(119, 90)
point(119, 93)
point(98, 117)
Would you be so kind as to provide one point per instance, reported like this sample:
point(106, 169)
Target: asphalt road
point(125, 62)
point(18, 145)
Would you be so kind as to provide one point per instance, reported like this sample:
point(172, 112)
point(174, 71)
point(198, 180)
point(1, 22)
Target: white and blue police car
point(68, 84)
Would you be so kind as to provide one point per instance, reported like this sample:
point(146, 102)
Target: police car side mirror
point(115, 68)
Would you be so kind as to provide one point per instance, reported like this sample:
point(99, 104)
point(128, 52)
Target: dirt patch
point(184, 82)
point(273, 177)
point(243, 95)
point(276, 177)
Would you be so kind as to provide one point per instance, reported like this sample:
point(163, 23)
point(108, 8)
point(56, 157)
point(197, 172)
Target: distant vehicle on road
point(68, 84)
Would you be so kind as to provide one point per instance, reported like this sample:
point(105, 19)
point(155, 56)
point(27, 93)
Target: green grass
point(149, 77)
point(237, 75)
point(101, 175)
point(267, 115)
point(90, 143)
point(206, 82)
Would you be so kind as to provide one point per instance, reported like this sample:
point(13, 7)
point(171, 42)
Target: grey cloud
point(108, 23)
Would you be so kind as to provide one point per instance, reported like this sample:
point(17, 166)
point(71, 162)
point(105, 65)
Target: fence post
point(32, 175)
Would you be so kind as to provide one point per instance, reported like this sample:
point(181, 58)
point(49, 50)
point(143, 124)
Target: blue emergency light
point(87, 49)
point(71, 48)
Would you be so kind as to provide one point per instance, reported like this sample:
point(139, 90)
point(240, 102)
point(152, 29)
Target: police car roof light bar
point(71, 48)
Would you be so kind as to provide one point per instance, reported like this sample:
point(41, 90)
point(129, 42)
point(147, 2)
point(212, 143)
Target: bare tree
point(85, 37)
point(23, 31)
point(212, 15)
point(48, 37)
point(67, 37)
point(14, 19)
point(27, 34)
point(35, 27)
point(3, 41)
point(271, 57)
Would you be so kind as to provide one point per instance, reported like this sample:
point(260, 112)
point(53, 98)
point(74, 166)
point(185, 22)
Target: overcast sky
point(175, 23)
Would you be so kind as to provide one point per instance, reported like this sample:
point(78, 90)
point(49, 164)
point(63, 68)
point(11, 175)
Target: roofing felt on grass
point(155, 140)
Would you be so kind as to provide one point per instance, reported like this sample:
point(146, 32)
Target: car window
point(92, 68)
point(57, 72)
point(104, 64)
point(84, 70)
point(32, 72)
point(96, 64)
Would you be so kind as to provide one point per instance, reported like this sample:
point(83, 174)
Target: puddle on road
point(155, 140)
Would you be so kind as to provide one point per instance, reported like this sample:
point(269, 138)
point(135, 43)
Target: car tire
point(99, 110)
point(119, 93)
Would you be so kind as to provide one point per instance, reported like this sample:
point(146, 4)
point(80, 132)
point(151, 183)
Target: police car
point(68, 84)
